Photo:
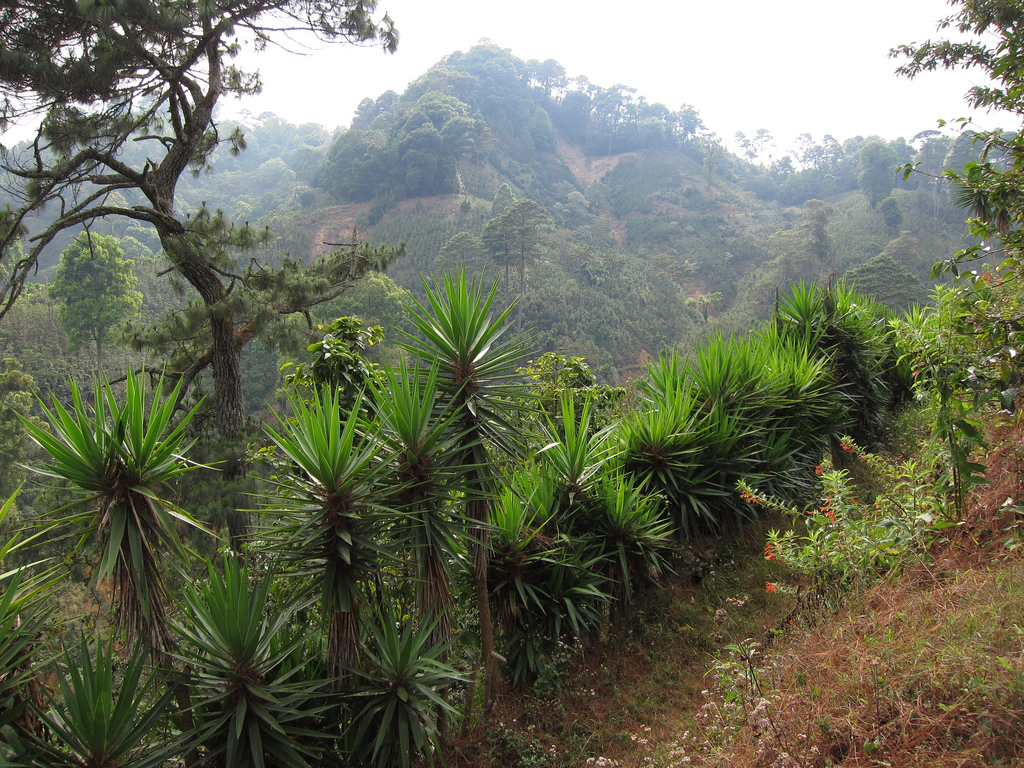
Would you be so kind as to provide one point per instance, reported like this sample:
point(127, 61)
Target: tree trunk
point(522, 281)
point(226, 349)
point(226, 366)
point(478, 510)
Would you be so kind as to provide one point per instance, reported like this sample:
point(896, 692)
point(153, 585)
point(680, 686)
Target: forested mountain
point(654, 228)
point(435, 531)
point(646, 230)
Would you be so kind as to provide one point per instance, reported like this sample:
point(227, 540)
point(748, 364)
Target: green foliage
point(930, 340)
point(86, 77)
point(16, 403)
point(891, 213)
point(841, 544)
point(556, 377)
point(877, 170)
point(117, 457)
point(804, 250)
point(516, 237)
point(338, 360)
point(575, 453)
point(410, 149)
point(96, 287)
point(252, 705)
point(477, 372)
point(888, 282)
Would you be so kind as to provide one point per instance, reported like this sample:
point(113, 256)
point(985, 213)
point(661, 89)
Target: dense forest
point(327, 448)
point(636, 230)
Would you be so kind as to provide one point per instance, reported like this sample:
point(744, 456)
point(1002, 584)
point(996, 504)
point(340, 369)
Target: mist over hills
point(649, 232)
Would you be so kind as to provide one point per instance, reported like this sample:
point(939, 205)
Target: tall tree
point(517, 237)
point(877, 170)
point(121, 80)
point(96, 287)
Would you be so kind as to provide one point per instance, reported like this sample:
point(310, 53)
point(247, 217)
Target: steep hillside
point(645, 209)
point(649, 216)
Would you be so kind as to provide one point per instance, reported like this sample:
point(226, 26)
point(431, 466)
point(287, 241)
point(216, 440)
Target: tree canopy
point(117, 76)
point(96, 286)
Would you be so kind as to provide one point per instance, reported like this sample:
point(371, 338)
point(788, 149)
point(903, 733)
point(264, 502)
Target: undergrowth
point(876, 627)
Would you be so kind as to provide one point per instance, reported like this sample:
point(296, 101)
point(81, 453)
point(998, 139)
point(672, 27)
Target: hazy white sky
point(791, 66)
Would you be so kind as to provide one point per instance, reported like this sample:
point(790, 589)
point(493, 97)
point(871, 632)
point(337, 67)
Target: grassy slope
point(925, 669)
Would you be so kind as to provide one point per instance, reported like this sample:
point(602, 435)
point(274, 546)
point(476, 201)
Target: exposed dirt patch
point(330, 226)
point(588, 169)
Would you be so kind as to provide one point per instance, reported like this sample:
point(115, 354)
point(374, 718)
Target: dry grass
point(926, 669)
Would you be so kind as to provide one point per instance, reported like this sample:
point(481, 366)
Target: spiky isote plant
point(421, 438)
point(325, 521)
point(852, 333)
point(628, 535)
point(545, 588)
point(22, 617)
point(118, 456)
point(574, 457)
point(107, 712)
point(398, 695)
point(477, 371)
point(253, 706)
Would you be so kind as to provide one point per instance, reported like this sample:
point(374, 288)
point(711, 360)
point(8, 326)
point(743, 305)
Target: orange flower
point(769, 587)
point(769, 552)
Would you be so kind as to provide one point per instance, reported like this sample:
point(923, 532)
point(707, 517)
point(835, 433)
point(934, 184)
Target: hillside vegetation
point(649, 231)
point(522, 424)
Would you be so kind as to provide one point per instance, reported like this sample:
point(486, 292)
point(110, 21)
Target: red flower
point(769, 552)
point(818, 470)
point(769, 587)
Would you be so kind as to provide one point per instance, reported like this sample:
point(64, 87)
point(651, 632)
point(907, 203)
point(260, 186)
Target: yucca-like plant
point(663, 377)
point(107, 713)
point(421, 438)
point(756, 410)
point(806, 413)
point(117, 457)
point(23, 614)
point(805, 399)
point(756, 430)
point(325, 523)
point(398, 695)
point(545, 589)
point(851, 332)
point(253, 707)
point(21, 619)
point(662, 449)
point(574, 457)
point(628, 535)
point(477, 372)
point(519, 516)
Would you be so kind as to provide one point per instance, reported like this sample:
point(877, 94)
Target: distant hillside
point(655, 232)
point(649, 214)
